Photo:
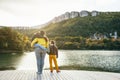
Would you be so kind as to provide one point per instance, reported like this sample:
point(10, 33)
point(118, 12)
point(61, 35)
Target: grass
point(78, 67)
point(10, 51)
point(7, 68)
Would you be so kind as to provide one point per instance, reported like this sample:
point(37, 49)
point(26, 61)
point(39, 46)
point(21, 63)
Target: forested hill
point(101, 32)
point(104, 23)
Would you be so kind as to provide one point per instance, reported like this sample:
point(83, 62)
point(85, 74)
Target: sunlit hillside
point(89, 32)
point(105, 23)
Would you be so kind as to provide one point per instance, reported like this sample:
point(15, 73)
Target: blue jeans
point(40, 56)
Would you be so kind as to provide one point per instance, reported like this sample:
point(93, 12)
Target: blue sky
point(36, 12)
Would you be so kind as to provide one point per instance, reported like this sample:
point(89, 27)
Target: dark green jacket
point(53, 50)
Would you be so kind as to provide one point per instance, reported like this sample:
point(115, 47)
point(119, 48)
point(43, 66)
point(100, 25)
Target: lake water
point(106, 60)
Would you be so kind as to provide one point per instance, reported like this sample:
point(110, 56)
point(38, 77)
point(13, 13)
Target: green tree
point(11, 39)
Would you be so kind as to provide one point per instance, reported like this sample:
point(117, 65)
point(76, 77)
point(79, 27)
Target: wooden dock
point(63, 75)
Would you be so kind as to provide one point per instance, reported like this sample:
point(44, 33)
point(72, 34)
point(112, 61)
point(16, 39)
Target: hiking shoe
point(39, 72)
point(51, 71)
point(58, 71)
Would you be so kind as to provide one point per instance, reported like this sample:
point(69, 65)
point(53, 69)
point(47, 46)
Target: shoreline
point(72, 67)
point(13, 51)
point(10, 51)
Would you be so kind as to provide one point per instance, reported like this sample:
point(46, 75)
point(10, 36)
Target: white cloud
point(105, 2)
point(34, 12)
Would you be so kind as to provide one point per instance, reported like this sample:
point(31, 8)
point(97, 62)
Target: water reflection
point(10, 60)
point(108, 60)
point(28, 61)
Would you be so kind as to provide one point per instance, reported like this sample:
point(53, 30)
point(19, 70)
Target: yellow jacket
point(40, 41)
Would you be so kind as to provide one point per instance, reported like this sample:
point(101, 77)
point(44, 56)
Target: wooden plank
point(93, 75)
point(2, 75)
point(63, 75)
point(116, 75)
point(103, 76)
point(79, 75)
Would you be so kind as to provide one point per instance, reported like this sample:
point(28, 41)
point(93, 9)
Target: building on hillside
point(99, 36)
point(115, 36)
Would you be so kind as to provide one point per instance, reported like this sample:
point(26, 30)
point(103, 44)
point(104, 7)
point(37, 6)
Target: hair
point(40, 34)
point(52, 42)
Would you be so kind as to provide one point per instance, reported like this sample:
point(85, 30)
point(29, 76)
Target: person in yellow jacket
point(41, 44)
point(53, 54)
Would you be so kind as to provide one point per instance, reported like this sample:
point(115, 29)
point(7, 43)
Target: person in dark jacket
point(53, 54)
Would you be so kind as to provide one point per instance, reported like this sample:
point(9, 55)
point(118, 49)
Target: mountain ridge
point(105, 22)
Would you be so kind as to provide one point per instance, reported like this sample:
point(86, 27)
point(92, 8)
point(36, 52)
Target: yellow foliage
point(26, 39)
